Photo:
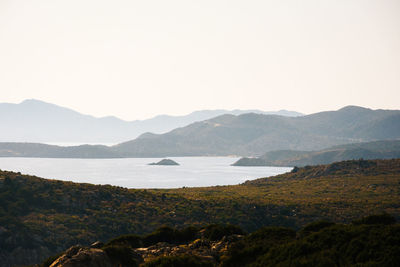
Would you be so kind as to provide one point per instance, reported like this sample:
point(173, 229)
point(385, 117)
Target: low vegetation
point(40, 217)
point(320, 244)
point(370, 241)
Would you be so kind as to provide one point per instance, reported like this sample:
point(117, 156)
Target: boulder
point(97, 244)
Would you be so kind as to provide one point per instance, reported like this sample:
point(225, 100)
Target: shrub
point(315, 227)
point(187, 234)
point(217, 231)
point(162, 234)
point(256, 244)
point(170, 235)
point(179, 261)
point(121, 255)
point(385, 219)
point(133, 241)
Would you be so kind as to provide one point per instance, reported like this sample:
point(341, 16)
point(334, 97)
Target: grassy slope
point(338, 192)
point(46, 216)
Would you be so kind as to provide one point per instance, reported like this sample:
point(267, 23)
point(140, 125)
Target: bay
point(136, 173)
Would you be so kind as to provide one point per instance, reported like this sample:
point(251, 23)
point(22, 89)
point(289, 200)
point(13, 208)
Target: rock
point(72, 251)
point(218, 246)
point(166, 162)
point(199, 243)
point(97, 244)
point(77, 256)
point(208, 251)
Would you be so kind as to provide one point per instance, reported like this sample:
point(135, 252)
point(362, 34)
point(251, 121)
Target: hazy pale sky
point(137, 59)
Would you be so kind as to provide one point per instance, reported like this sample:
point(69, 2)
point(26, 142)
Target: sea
point(136, 173)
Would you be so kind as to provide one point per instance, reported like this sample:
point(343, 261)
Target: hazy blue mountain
point(37, 150)
point(38, 121)
point(370, 150)
point(247, 134)
point(254, 134)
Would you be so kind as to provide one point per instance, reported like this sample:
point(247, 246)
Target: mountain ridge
point(254, 134)
point(37, 121)
point(248, 134)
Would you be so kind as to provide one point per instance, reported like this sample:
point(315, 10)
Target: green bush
point(187, 234)
point(133, 241)
point(162, 234)
point(384, 218)
point(170, 235)
point(339, 245)
point(179, 261)
point(315, 227)
point(217, 231)
point(121, 256)
point(256, 244)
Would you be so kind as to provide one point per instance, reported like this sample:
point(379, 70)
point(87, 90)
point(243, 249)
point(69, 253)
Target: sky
point(137, 59)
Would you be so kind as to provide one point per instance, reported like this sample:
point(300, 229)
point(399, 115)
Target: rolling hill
point(370, 150)
point(254, 134)
point(40, 217)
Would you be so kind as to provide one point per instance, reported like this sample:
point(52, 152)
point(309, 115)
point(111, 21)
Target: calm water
point(135, 173)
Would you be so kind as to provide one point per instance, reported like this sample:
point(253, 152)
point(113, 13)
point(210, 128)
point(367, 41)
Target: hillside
point(254, 134)
point(369, 150)
point(40, 217)
point(40, 122)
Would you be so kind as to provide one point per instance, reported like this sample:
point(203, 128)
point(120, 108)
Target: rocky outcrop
point(203, 249)
point(78, 256)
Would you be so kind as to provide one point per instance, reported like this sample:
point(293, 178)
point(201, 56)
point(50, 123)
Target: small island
point(165, 162)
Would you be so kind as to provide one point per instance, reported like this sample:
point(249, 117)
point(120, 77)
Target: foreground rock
point(203, 250)
point(166, 162)
point(369, 241)
point(79, 256)
point(206, 250)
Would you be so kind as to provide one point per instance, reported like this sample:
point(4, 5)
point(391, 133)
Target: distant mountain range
point(37, 150)
point(255, 134)
point(369, 150)
point(245, 135)
point(38, 121)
